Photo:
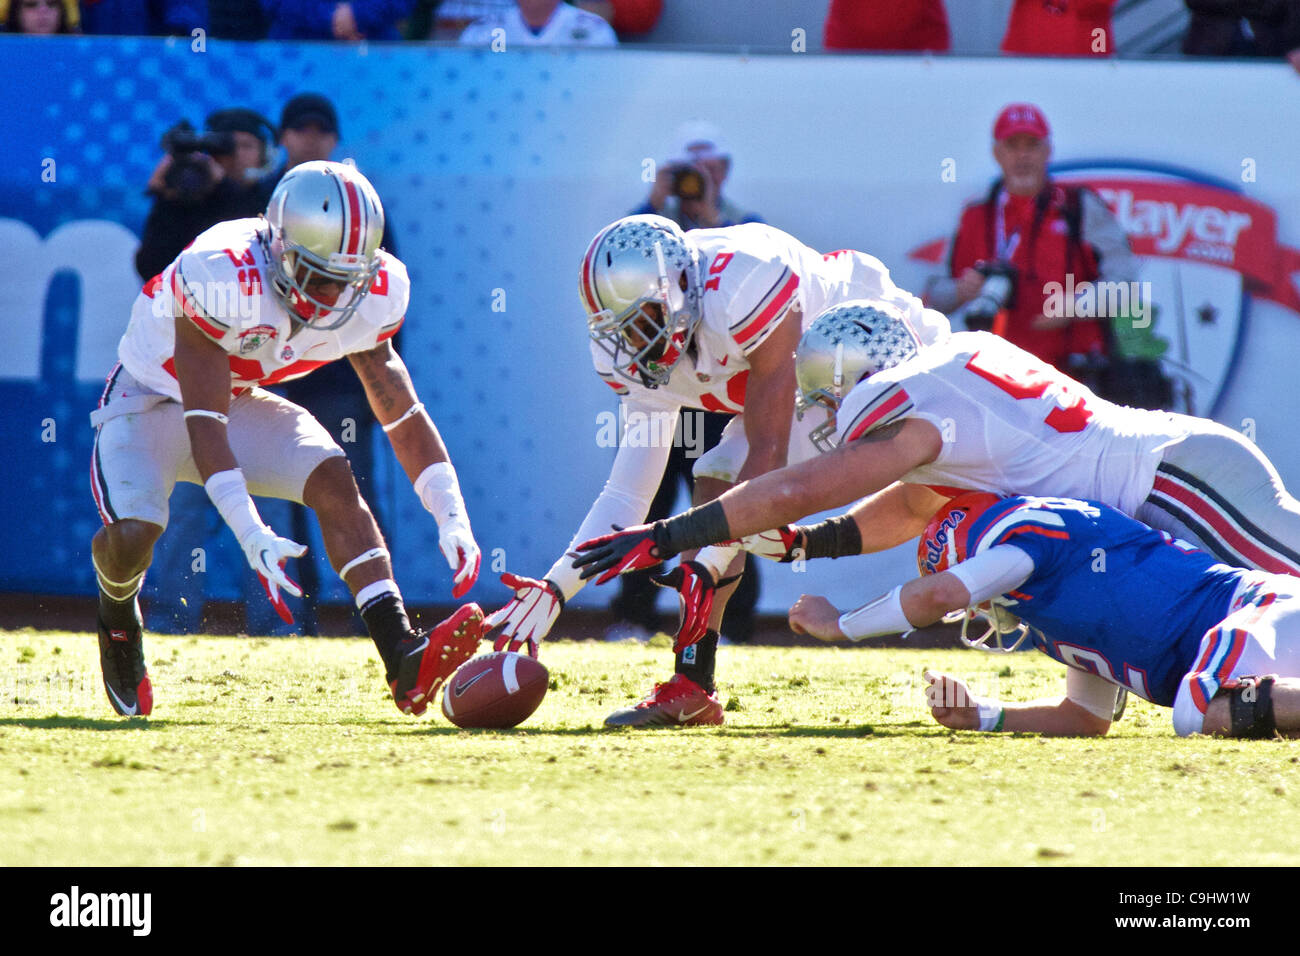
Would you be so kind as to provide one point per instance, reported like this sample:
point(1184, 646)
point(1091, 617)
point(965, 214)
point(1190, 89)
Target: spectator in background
point(1034, 233)
point(143, 17)
point(886, 25)
point(700, 148)
point(1244, 28)
point(541, 23)
point(350, 22)
point(1060, 28)
point(696, 201)
point(236, 20)
point(40, 17)
point(194, 189)
point(630, 17)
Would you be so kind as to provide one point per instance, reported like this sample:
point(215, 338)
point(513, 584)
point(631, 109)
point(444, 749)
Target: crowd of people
point(1265, 28)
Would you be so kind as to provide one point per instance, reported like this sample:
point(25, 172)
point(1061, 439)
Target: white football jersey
point(753, 274)
point(222, 282)
point(568, 26)
point(1013, 425)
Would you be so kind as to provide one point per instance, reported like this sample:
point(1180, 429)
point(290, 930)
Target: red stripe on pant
point(1208, 512)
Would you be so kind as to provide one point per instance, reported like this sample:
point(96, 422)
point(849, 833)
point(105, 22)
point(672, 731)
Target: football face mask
point(639, 289)
point(326, 224)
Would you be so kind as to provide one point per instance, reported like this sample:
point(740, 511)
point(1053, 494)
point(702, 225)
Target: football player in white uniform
point(705, 319)
point(973, 412)
point(249, 303)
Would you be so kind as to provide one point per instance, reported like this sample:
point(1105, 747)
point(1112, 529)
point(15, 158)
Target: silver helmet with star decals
point(326, 224)
point(841, 347)
point(640, 286)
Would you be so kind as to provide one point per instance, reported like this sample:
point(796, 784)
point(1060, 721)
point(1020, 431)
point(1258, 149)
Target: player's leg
point(1217, 490)
point(1246, 682)
point(138, 444)
point(286, 453)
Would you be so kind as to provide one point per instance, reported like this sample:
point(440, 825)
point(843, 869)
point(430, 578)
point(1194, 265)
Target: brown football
point(495, 690)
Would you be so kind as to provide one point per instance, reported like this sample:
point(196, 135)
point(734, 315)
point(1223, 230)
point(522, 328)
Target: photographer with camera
point(688, 188)
point(203, 179)
point(1021, 241)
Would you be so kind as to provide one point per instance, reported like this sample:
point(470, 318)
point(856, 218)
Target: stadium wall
point(498, 168)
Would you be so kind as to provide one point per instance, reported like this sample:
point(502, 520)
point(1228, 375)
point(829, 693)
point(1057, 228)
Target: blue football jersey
point(1108, 594)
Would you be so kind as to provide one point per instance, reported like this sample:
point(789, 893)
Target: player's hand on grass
point(950, 702)
point(266, 553)
point(813, 614)
point(462, 553)
point(784, 544)
point(528, 617)
point(627, 549)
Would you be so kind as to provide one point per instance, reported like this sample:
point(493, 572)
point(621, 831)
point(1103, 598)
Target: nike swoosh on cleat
point(121, 708)
point(682, 716)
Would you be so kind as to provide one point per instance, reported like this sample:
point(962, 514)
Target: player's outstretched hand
point(813, 614)
point(266, 553)
point(784, 544)
point(695, 588)
point(528, 617)
point(462, 554)
point(950, 702)
point(627, 549)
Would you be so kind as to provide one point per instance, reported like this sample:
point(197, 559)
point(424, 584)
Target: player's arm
point(953, 706)
point(624, 500)
point(769, 398)
point(919, 602)
point(769, 407)
point(780, 497)
point(423, 456)
point(203, 374)
point(876, 523)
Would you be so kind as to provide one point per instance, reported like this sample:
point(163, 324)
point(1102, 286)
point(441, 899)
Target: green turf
point(289, 752)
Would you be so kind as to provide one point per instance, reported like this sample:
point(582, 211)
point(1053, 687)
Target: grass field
point(288, 751)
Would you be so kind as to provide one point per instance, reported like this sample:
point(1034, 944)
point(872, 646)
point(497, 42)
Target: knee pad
point(1250, 706)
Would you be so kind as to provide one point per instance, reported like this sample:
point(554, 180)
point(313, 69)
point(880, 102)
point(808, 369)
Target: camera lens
point(688, 183)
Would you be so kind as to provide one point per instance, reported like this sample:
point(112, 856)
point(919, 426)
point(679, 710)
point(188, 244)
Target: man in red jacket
point(1040, 234)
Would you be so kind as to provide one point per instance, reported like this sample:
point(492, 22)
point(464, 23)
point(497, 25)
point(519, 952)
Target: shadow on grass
point(97, 723)
point(859, 731)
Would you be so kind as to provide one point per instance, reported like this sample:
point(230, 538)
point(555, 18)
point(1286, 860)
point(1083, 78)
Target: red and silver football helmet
point(640, 285)
point(326, 223)
point(943, 544)
point(841, 347)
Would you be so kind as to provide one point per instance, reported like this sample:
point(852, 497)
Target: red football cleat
point(430, 657)
point(680, 702)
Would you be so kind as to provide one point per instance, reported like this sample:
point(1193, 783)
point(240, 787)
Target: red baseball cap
point(1021, 118)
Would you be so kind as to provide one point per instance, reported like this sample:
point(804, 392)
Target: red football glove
point(695, 588)
point(528, 616)
point(630, 549)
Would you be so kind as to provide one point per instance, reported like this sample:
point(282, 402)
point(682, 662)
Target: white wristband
point(206, 413)
point(410, 412)
point(229, 492)
point(991, 714)
point(439, 492)
point(882, 616)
